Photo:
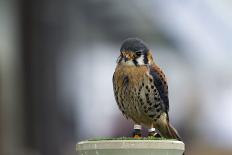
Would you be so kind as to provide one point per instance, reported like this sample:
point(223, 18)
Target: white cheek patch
point(130, 63)
point(140, 60)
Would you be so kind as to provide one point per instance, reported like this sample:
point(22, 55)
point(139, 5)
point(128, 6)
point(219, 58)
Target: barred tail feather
point(172, 132)
point(168, 131)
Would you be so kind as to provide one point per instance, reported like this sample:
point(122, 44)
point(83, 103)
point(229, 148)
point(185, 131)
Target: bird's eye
point(138, 53)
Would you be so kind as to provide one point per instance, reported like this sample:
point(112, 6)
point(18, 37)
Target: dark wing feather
point(161, 84)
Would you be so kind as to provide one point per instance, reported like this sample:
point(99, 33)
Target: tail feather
point(168, 131)
point(172, 132)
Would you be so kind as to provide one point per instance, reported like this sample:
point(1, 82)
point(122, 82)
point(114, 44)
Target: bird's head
point(134, 52)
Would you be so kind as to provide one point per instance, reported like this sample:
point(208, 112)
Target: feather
point(161, 85)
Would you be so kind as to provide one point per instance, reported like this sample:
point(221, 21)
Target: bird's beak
point(127, 55)
point(126, 58)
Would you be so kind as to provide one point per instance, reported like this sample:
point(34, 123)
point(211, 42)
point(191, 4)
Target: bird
point(141, 90)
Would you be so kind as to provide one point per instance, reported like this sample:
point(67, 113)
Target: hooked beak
point(126, 55)
point(126, 58)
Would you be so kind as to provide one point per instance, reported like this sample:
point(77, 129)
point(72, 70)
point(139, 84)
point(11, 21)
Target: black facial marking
point(138, 54)
point(145, 59)
point(120, 59)
point(135, 62)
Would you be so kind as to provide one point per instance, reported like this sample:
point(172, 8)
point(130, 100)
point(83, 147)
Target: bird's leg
point(152, 132)
point(137, 131)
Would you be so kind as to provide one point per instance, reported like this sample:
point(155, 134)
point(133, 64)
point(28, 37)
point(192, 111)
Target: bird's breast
point(132, 74)
point(129, 87)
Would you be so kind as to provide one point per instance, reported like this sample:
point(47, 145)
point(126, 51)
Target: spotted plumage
point(141, 89)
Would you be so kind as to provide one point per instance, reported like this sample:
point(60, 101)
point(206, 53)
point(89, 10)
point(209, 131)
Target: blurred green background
point(57, 58)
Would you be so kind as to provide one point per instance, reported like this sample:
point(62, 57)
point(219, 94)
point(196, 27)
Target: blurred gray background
point(57, 58)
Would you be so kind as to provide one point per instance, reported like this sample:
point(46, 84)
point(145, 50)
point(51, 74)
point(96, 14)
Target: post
point(131, 147)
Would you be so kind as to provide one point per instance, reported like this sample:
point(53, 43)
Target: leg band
point(137, 127)
point(151, 130)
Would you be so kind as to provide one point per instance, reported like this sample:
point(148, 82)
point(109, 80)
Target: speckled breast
point(136, 94)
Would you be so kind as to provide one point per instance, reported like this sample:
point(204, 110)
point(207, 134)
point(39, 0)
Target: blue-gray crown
point(134, 45)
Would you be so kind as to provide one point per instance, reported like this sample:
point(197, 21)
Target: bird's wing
point(160, 83)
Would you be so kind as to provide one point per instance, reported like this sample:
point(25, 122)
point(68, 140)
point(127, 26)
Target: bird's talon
point(154, 134)
point(137, 136)
point(157, 135)
point(137, 133)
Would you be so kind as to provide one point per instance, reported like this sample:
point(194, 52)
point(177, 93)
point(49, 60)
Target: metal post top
point(130, 144)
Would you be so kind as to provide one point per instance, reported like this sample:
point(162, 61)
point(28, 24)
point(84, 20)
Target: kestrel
point(141, 90)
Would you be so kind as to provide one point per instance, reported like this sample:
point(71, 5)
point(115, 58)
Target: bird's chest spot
point(137, 93)
point(129, 81)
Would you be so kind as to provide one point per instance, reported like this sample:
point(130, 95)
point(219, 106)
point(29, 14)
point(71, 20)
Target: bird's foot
point(137, 131)
point(152, 133)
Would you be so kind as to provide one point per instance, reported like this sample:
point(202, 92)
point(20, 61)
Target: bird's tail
point(173, 132)
point(168, 131)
